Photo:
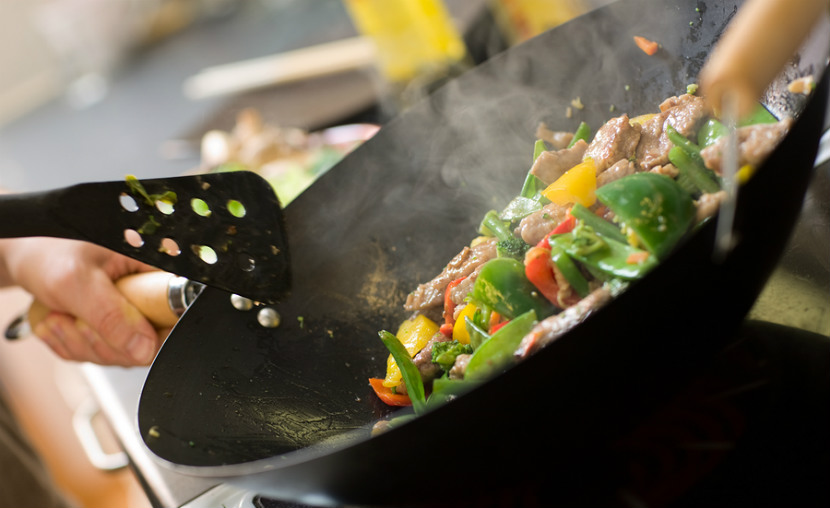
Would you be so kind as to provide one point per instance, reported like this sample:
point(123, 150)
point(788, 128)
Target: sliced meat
point(755, 143)
point(459, 367)
point(708, 204)
point(556, 139)
point(460, 291)
point(431, 294)
point(535, 226)
point(550, 165)
point(620, 169)
point(684, 113)
point(669, 170)
point(614, 141)
point(423, 359)
point(553, 327)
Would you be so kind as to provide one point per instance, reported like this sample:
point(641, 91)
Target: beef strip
point(550, 165)
point(556, 139)
point(708, 204)
point(423, 359)
point(620, 169)
point(684, 113)
point(431, 294)
point(669, 170)
point(535, 226)
point(553, 327)
point(459, 367)
point(617, 139)
point(755, 143)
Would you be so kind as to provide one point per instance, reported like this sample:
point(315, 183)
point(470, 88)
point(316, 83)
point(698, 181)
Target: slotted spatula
point(223, 229)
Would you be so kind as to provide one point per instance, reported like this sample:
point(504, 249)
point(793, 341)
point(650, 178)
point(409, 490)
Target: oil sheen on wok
point(599, 208)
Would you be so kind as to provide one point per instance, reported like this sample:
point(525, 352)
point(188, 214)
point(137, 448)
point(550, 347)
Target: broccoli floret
point(509, 245)
point(512, 247)
point(445, 353)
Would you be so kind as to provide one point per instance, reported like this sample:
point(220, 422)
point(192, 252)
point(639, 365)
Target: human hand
point(90, 319)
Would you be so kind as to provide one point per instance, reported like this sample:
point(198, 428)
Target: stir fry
point(595, 213)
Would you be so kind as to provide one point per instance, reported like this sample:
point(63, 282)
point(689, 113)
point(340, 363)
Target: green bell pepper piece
point(651, 205)
point(496, 353)
point(713, 129)
point(502, 286)
point(710, 131)
point(607, 256)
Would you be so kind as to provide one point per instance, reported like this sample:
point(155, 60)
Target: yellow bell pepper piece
point(459, 329)
point(576, 185)
point(414, 335)
point(641, 119)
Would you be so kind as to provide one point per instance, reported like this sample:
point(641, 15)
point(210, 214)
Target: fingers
point(73, 339)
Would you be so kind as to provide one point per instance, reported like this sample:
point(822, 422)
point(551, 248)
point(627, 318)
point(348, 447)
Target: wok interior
point(224, 391)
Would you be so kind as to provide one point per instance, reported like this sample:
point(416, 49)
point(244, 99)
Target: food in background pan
point(289, 158)
point(594, 214)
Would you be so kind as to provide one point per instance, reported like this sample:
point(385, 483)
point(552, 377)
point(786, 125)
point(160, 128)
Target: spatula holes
point(206, 254)
point(200, 207)
point(169, 247)
point(246, 263)
point(127, 202)
point(165, 207)
point(236, 208)
point(133, 238)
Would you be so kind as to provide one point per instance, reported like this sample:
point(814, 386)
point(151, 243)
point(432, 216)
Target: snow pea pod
point(609, 256)
point(652, 206)
point(496, 354)
point(502, 286)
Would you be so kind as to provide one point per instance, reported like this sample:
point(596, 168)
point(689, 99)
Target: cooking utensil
point(161, 297)
point(286, 411)
point(222, 229)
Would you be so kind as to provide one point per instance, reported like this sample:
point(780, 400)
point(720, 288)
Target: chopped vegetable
point(601, 226)
point(413, 334)
point(459, 329)
point(570, 271)
point(445, 353)
point(653, 206)
point(508, 245)
point(583, 132)
point(648, 47)
point(502, 286)
point(577, 185)
point(603, 254)
point(411, 374)
point(386, 394)
point(540, 273)
point(496, 353)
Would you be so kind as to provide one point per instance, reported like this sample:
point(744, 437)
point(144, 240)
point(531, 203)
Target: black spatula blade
point(224, 229)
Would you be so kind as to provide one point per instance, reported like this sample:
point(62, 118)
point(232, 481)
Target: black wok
point(286, 411)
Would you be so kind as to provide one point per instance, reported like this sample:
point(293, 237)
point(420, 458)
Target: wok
point(287, 411)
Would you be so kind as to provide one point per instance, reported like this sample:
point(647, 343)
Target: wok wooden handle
point(147, 291)
point(756, 45)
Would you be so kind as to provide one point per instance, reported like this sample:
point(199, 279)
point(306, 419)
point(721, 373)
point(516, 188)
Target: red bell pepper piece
point(540, 273)
point(648, 47)
point(449, 306)
point(566, 226)
point(386, 394)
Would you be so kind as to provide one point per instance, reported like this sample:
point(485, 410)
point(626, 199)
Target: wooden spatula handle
point(756, 45)
point(146, 291)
